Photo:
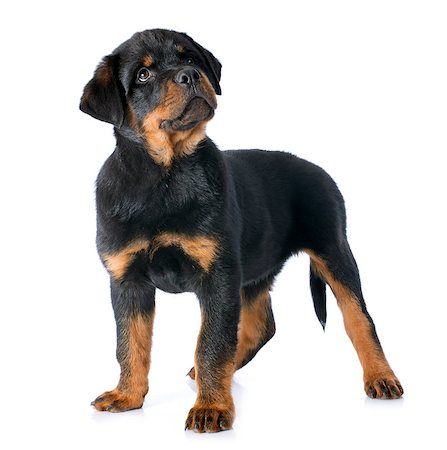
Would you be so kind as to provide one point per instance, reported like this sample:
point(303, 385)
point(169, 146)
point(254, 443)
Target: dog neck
point(135, 154)
point(128, 136)
point(163, 147)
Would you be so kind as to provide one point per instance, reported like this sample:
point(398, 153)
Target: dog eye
point(190, 61)
point(143, 75)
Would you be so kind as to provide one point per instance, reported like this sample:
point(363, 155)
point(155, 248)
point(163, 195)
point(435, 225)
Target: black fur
point(260, 207)
point(318, 290)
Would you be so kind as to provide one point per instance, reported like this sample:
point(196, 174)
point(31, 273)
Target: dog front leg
point(214, 359)
point(134, 308)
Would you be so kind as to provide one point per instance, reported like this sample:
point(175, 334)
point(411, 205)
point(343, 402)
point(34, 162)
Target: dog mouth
point(196, 110)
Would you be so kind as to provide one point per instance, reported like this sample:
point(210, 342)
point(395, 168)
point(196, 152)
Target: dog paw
point(383, 386)
point(209, 418)
point(117, 401)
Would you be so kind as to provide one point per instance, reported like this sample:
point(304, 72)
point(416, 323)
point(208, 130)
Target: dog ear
point(103, 96)
point(212, 63)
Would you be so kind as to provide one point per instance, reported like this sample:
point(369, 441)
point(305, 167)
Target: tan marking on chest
point(202, 249)
point(163, 147)
point(118, 263)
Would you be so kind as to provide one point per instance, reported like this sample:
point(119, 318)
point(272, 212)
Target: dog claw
point(209, 419)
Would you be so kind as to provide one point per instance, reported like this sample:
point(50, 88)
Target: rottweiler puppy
point(175, 213)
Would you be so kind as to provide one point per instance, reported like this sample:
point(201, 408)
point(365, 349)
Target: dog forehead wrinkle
point(166, 45)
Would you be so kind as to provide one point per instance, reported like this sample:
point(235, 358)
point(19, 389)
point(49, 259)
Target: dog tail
point(318, 291)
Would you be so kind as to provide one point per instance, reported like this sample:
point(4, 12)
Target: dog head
point(158, 87)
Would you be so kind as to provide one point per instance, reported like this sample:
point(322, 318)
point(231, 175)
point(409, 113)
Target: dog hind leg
point(338, 268)
point(256, 324)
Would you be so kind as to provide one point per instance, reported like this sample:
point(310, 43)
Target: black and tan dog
point(177, 214)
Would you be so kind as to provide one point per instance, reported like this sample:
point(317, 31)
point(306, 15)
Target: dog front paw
point(210, 418)
point(118, 401)
point(383, 386)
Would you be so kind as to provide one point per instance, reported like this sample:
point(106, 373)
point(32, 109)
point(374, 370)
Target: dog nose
point(187, 76)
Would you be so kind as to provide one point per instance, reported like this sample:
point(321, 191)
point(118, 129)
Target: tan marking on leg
point(214, 409)
point(252, 325)
point(133, 384)
point(137, 361)
point(357, 326)
point(118, 263)
point(201, 249)
point(221, 377)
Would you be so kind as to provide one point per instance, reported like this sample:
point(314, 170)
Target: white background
point(357, 87)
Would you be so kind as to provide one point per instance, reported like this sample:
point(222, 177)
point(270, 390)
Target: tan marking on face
point(148, 61)
point(118, 263)
point(165, 145)
point(201, 249)
point(208, 89)
point(133, 121)
point(160, 147)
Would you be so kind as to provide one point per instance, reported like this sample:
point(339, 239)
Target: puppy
point(175, 213)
